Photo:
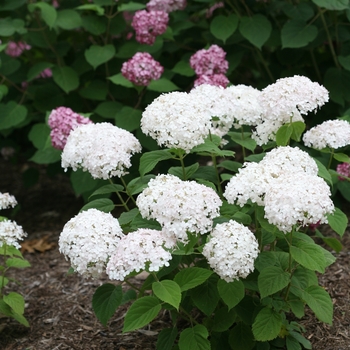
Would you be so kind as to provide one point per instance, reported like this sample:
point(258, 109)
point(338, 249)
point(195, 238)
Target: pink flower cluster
point(141, 69)
point(46, 73)
point(62, 121)
point(148, 25)
point(166, 5)
point(210, 66)
point(343, 169)
point(14, 49)
point(213, 8)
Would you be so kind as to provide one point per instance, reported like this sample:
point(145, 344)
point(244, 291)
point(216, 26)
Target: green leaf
point(141, 312)
point(118, 79)
point(332, 4)
point(168, 291)
point(323, 172)
point(342, 157)
point(149, 160)
point(36, 69)
point(9, 5)
point(9, 26)
point(128, 118)
point(46, 156)
point(94, 90)
point(297, 33)
point(223, 27)
point(131, 6)
point(194, 338)
point(20, 318)
point(110, 188)
point(241, 337)
point(267, 324)
point(191, 277)
point(3, 91)
point(128, 216)
point(91, 7)
point(337, 82)
point(12, 114)
point(283, 135)
point(166, 339)
point(16, 262)
point(292, 344)
point(68, 19)
point(297, 130)
point(309, 255)
point(94, 24)
point(210, 148)
point(66, 78)
point(304, 342)
point(162, 85)
point(345, 62)
point(271, 280)
point(189, 171)
point(319, 302)
point(15, 301)
point(223, 319)
point(103, 204)
point(48, 12)
point(138, 184)
point(256, 29)
point(338, 221)
point(231, 292)
point(108, 109)
point(97, 55)
point(206, 296)
point(106, 300)
point(39, 133)
point(299, 11)
point(183, 68)
point(244, 140)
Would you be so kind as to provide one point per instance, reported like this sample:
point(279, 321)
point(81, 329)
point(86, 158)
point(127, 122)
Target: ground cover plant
point(215, 186)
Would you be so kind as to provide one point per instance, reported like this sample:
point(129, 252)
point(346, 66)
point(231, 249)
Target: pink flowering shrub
point(210, 66)
point(166, 5)
point(213, 8)
point(61, 121)
point(141, 69)
point(14, 49)
point(148, 25)
point(343, 169)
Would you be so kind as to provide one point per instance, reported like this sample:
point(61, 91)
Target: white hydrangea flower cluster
point(176, 120)
point(139, 250)
point(102, 149)
point(10, 233)
point(7, 201)
point(253, 180)
point(297, 199)
point(88, 240)
point(287, 100)
point(231, 250)
point(331, 133)
point(179, 206)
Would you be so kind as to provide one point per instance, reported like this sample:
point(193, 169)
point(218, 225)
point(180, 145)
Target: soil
point(58, 306)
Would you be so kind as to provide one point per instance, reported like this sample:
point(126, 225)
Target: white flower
point(102, 149)
point(247, 109)
point(7, 201)
point(331, 133)
point(88, 240)
point(139, 250)
point(215, 100)
point(179, 206)
point(231, 250)
point(284, 102)
point(176, 120)
point(253, 179)
point(297, 199)
point(10, 233)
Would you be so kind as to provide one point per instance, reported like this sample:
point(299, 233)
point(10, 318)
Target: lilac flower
point(215, 79)
point(166, 5)
point(14, 49)
point(141, 69)
point(213, 8)
point(343, 169)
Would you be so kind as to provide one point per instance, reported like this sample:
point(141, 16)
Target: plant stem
point(330, 159)
point(126, 190)
point(120, 198)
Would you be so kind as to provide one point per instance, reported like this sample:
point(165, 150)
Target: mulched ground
point(58, 306)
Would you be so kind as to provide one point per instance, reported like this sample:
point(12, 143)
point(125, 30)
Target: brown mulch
point(58, 306)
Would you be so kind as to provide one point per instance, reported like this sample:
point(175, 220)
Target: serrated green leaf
point(297, 130)
point(12, 114)
point(118, 79)
point(223, 27)
point(128, 118)
point(297, 33)
point(342, 157)
point(323, 172)
point(244, 140)
point(108, 109)
point(338, 221)
point(267, 324)
point(110, 188)
point(283, 135)
point(183, 68)
point(162, 85)
point(141, 312)
point(241, 337)
point(256, 29)
point(271, 280)
point(66, 78)
point(128, 216)
point(194, 338)
point(102, 204)
point(231, 292)
point(179, 171)
point(16, 262)
point(15, 301)
point(149, 160)
point(332, 4)
point(191, 277)
point(319, 302)
point(46, 156)
point(166, 339)
point(168, 291)
point(97, 55)
point(106, 300)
